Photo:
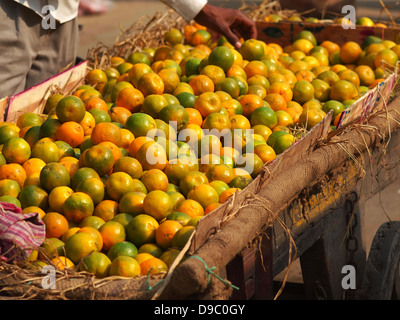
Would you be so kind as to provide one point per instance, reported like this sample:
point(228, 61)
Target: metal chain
point(351, 240)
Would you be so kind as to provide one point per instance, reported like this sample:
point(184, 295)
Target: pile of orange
point(122, 169)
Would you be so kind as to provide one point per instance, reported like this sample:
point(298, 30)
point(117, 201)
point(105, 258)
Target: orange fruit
point(276, 101)
point(117, 184)
point(194, 116)
point(34, 209)
point(366, 75)
point(153, 104)
point(201, 84)
point(217, 121)
point(254, 68)
point(181, 237)
point(191, 207)
point(33, 195)
point(227, 194)
point(265, 152)
point(88, 123)
point(310, 117)
point(99, 158)
point(123, 248)
point(28, 119)
point(79, 245)
point(130, 98)
point(16, 150)
point(151, 83)
point(284, 89)
point(141, 229)
point(350, 52)
point(330, 46)
point(169, 256)
point(63, 263)
point(97, 263)
point(91, 221)
point(115, 150)
point(222, 57)
point(386, 55)
point(8, 131)
point(57, 197)
point(95, 76)
point(126, 138)
point(250, 102)
point(106, 209)
point(94, 188)
point(46, 150)
point(175, 115)
point(343, 90)
point(207, 103)
point(78, 206)
point(140, 124)
point(239, 121)
point(303, 91)
point(170, 79)
point(132, 203)
point(204, 194)
point(136, 143)
point(157, 204)
point(51, 102)
point(70, 108)
point(119, 115)
point(264, 116)
point(95, 103)
point(82, 174)
point(200, 36)
point(106, 131)
point(151, 248)
point(129, 165)
point(220, 172)
point(56, 224)
point(70, 132)
point(155, 179)
point(211, 207)
point(95, 233)
point(112, 232)
point(153, 266)
point(252, 49)
point(54, 174)
point(350, 76)
point(125, 266)
point(152, 155)
point(69, 233)
point(165, 232)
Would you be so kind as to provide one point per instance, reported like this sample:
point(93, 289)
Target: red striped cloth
point(19, 232)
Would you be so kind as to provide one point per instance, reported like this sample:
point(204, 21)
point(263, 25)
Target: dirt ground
point(106, 27)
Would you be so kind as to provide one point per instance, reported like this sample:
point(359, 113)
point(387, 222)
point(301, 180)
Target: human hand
point(230, 23)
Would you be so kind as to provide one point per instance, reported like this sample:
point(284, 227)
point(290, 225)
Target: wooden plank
point(305, 216)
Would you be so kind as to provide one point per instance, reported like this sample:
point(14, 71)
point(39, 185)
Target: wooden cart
point(306, 206)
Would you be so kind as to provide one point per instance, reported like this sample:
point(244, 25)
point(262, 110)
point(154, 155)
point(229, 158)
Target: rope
point(211, 272)
point(149, 287)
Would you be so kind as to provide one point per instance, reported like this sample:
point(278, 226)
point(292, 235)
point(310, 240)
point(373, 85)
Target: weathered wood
point(276, 196)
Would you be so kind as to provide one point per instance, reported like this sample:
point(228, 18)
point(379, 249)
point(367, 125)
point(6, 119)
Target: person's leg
point(58, 50)
point(19, 41)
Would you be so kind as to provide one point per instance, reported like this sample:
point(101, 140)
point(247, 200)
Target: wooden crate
point(283, 33)
point(34, 99)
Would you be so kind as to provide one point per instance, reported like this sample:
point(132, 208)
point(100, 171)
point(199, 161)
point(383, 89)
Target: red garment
point(19, 232)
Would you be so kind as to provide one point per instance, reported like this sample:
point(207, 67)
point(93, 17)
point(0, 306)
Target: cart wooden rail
point(318, 202)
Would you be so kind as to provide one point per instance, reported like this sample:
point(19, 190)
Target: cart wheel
point(382, 272)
